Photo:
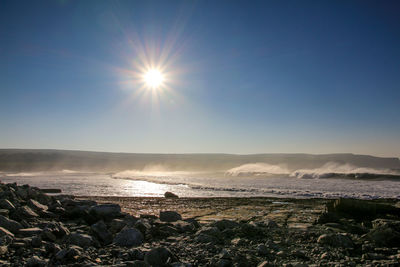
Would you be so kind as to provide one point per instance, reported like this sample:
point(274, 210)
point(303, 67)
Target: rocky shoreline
point(38, 229)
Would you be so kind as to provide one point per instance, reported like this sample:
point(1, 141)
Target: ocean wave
point(337, 170)
point(257, 169)
point(328, 170)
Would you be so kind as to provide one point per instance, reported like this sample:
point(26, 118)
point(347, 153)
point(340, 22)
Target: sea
point(257, 180)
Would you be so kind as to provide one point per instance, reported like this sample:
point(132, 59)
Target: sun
point(153, 78)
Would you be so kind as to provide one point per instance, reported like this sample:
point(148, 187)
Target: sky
point(240, 76)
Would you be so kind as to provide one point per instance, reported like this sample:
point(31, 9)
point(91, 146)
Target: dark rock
point(225, 224)
point(116, 225)
point(51, 190)
point(183, 226)
point(4, 212)
point(100, 230)
point(224, 254)
point(143, 226)
point(361, 209)
point(137, 263)
point(5, 232)
point(385, 233)
point(36, 206)
point(68, 253)
point(336, 240)
point(224, 263)
point(250, 230)
point(52, 248)
point(57, 228)
point(106, 211)
point(36, 242)
point(265, 264)
point(212, 231)
point(6, 204)
point(24, 213)
point(204, 238)
point(29, 232)
point(170, 195)
point(11, 225)
point(159, 257)
point(129, 237)
point(170, 216)
point(35, 261)
point(136, 254)
point(262, 250)
point(81, 240)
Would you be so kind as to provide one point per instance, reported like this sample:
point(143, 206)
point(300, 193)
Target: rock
point(170, 195)
point(262, 250)
point(36, 242)
point(35, 261)
point(225, 224)
point(361, 209)
point(385, 233)
point(158, 256)
point(3, 250)
point(5, 232)
point(22, 192)
point(51, 190)
point(29, 232)
point(81, 240)
point(52, 248)
point(265, 264)
point(238, 242)
point(167, 230)
point(224, 263)
point(57, 228)
point(184, 227)
point(250, 230)
point(203, 238)
point(336, 240)
point(106, 211)
point(116, 225)
point(4, 212)
point(170, 216)
point(137, 263)
point(143, 226)
point(11, 225)
point(100, 230)
point(136, 254)
point(129, 237)
point(224, 254)
point(24, 213)
point(36, 206)
point(271, 224)
point(212, 231)
point(6, 204)
point(68, 253)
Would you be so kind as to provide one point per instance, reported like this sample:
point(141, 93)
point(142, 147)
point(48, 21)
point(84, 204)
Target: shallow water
point(204, 185)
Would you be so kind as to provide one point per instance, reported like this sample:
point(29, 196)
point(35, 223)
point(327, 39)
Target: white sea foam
point(258, 168)
point(330, 169)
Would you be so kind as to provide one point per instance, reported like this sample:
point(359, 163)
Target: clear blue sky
point(242, 76)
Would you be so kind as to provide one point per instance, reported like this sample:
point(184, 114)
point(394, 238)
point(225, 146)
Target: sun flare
point(153, 78)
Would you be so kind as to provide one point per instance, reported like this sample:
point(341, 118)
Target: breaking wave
point(328, 170)
point(257, 169)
